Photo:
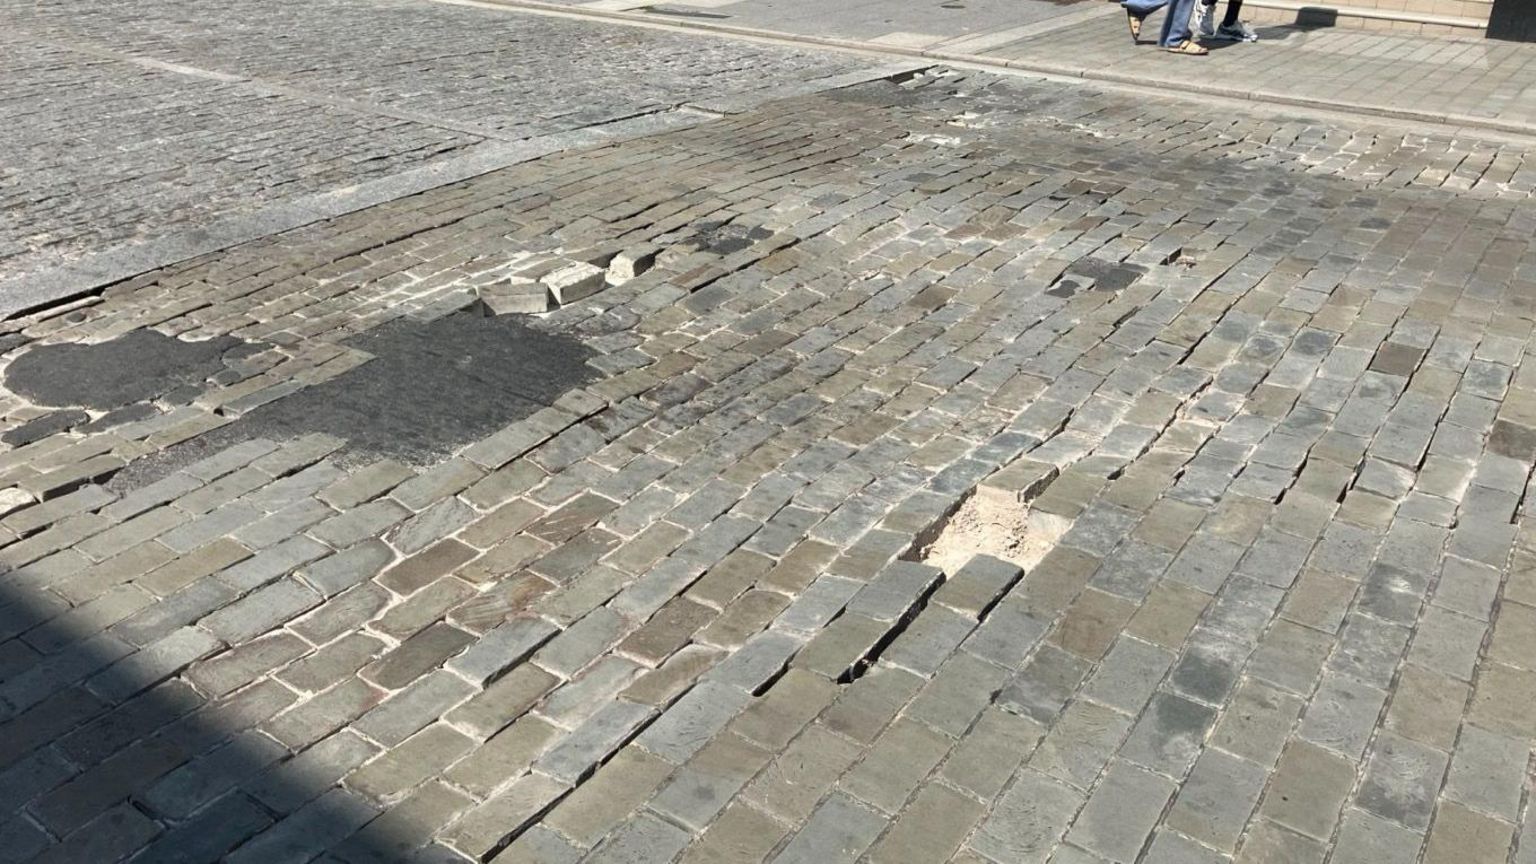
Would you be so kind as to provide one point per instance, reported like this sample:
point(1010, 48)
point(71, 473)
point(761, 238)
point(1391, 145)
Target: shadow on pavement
point(104, 753)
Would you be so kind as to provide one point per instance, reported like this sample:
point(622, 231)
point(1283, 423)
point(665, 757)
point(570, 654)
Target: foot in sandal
point(1188, 46)
point(1135, 21)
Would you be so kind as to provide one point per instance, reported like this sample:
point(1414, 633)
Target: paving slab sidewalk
point(1457, 81)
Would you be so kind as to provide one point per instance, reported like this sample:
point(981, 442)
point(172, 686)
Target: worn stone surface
point(667, 608)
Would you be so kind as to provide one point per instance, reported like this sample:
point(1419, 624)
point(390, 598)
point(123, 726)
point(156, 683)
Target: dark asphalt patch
point(431, 388)
point(139, 366)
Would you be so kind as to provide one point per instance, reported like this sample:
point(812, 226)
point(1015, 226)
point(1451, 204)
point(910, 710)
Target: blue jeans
point(1175, 26)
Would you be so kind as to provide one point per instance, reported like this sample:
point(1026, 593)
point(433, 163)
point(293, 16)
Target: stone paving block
point(416, 656)
point(506, 754)
point(500, 649)
point(609, 798)
point(984, 760)
point(279, 526)
point(405, 712)
point(785, 709)
point(1486, 770)
point(272, 564)
point(325, 713)
point(742, 835)
point(976, 587)
point(365, 484)
point(1091, 623)
point(310, 829)
point(930, 829)
point(647, 838)
point(692, 721)
point(241, 665)
point(742, 618)
point(110, 836)
point(1461, 834)
point(260, 611)
point(225, 824)
point(1500, 690)
point(1170, 735)
point(340, 614)
point(668, 630)
point(1307, 790)
point(1364, 837)
point(577, 755)
point(540, 844)
point(1401, 781)
point(1128, 674)
point(405, 829)
point(94, 792)
point(1290, 656)
point(425, 567)
point(698, 791)
point(869, 703)
point(1270, 843)
point(817, 604)
point(1215, 802)
point(1041, 689)
point(1168, 614)
point(572, 703)
point(1080, 744)
point(761, 659)
point(892, 594)
point(485, 829)
point(840, 830)
point(205, 779)
point(1006, 636)
point(187, 569)
point(791, 785)
point(1121, 812)
point(1028, 821)
point(1169, 847)
point(900, 758)
point(360, 523)
point(414, 761)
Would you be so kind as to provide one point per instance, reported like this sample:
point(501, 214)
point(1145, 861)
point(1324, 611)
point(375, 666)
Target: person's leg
point(1136, 11)
point(1176, 25)
point(1143, 8)
point(1205, 19)
point(1234, 8)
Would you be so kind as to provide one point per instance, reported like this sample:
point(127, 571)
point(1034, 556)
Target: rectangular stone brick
point(501, 648)
point(485, 829)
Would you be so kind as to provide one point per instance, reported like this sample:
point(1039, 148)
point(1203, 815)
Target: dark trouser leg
point(1234, 7)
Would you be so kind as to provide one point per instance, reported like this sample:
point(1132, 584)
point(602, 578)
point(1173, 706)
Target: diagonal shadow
point(107, 749)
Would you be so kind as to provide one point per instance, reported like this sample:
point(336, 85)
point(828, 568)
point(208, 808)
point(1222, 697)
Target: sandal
point(1134, 23)
point(1189, 47)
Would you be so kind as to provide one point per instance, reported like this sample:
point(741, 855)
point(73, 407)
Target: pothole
point(993, 523)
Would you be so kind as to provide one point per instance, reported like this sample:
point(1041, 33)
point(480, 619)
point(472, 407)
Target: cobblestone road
point(126, 121)
point(1265, 377)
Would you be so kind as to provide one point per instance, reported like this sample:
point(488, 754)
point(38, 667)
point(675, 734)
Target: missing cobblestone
point(992, 525)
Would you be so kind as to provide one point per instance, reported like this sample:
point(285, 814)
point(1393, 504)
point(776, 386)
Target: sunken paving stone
point(324, 547)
